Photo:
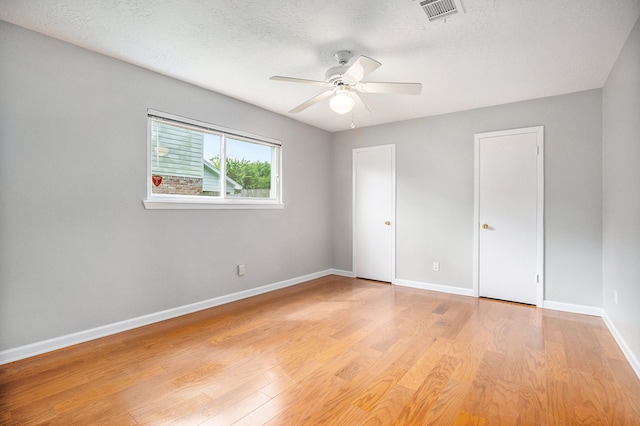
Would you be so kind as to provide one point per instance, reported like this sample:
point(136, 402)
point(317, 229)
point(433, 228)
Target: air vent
point(441, 9)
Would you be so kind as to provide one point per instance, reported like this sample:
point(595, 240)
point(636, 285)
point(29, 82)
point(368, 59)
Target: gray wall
point(435, 163)
point(621, 192)
point(77, 248)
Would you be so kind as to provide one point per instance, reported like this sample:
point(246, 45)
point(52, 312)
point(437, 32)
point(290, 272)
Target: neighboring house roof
point(213, 169)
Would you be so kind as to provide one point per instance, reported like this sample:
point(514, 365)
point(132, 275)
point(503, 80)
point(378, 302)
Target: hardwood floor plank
point(32, 414)
point(336, 350)
point(200, 374)
point(608, 345)
point(556, 361)
point(350, 328)
point(91, 392)
point(429, 391)
point(168, 410)
point(615, 405)
point(532, 400)
point(478, 400)
point(101, 412)
point(31, 390)
point(504, 408)
point(466, 419)
point(5, 418)
point(587, 406)
point(416, 375)
point(514, 360)
point(500, 336)
point(389, 408)
point(296, 405)
point(456, 322)
point(535, 338)
point(447, 407)
point(339, 400)
point(378, 388)
point(351, 415)
point(142, 393)
point(392, 366)
point(229, 414)
point(559, 403)
point(629, 382)
point(552, 327)
point(469, 348)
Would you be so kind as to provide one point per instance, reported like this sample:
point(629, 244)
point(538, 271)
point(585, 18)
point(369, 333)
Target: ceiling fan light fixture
point(341, 102)
point(342, 84)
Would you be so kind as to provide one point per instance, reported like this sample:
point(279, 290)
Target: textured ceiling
point(497, 52)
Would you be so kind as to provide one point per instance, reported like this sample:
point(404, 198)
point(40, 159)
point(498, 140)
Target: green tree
point(249, 174)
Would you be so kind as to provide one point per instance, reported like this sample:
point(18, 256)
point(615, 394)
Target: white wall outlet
point(241, 269)
point(615, 296)
point(436, 266)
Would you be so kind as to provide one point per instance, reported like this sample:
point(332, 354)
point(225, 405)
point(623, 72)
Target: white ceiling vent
point(441, 9)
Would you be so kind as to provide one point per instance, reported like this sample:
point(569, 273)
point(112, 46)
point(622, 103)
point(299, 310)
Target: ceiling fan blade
point(361, 68)
point(392, 88)
point(312, 101)
point(301, 80)
point(360, 106)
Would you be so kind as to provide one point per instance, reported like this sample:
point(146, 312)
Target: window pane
point(211, 162)
point(181, 161)
point(197, 163)
point(250, 169)
point(176, 163)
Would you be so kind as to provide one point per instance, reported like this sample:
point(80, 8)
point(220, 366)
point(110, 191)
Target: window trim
point(175, 201)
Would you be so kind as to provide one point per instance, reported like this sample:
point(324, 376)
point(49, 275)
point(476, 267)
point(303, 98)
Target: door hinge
point(537, 150)
point(537, 278)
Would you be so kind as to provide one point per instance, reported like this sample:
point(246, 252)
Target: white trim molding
point(626, 350)
point(37, 348)
point(435, 287)
point(348, 274)
point(158, 204)
point(49, 345)
point(575, 309)
point(599, 312)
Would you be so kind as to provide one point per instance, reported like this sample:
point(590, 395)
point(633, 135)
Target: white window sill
point(194, 204)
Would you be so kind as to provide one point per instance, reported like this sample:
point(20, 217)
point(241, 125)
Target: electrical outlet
point(241, 269)
point(436, 266)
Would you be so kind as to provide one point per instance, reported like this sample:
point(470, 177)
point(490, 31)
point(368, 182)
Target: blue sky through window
point(236, 149)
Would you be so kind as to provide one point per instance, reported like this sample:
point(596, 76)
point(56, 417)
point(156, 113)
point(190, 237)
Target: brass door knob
point(485, 226)
point(387, 222)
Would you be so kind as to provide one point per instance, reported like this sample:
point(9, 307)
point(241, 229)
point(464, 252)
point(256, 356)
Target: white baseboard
point(434, 287)
point(576, 309)
point(49, 345)
point(348, 274)
point(599, 312)
point(631, 357)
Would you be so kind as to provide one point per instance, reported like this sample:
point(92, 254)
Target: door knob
point(386, 222)
point(485, 226)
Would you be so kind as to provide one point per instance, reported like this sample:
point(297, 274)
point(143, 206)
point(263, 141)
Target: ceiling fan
point(343, 82)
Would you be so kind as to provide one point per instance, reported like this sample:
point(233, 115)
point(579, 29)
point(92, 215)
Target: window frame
point(177, 201)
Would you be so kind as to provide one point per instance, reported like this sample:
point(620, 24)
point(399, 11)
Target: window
point(193, 164)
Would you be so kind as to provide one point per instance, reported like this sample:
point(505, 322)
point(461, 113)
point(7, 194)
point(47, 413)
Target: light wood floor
point(336, 351)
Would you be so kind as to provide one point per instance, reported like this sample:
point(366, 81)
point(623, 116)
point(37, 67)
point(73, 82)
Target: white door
point(509, 229)
point(374, 212)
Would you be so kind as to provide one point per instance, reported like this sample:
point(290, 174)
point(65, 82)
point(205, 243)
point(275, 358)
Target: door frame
point(393, 207)
point(539, 131)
